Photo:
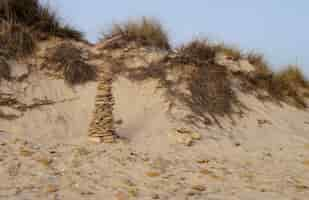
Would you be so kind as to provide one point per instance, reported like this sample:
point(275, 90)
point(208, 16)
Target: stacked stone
point(102, 126)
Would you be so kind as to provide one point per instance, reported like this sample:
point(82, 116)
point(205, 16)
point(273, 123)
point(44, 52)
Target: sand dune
point(262, 153)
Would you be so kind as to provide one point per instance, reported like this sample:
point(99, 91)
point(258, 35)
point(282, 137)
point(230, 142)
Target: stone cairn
point(102, 126)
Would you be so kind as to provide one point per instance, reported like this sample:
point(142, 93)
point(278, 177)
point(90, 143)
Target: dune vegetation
point(145, 31)
point(67, 59)
point(24, 22)
point(284, 85)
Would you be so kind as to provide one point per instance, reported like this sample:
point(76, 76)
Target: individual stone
point(121, 196)
point(185, 139)
point(51, 189)
point(152, 174)
point(186, 136)
point(182, 130)
point(202, 161)
point(45, 161)
point(95, 139)
point(199, 188)
point(196, 136)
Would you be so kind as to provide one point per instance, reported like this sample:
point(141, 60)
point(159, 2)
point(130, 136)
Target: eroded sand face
point(45, 154)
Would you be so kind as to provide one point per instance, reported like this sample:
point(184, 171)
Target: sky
point(277, 28)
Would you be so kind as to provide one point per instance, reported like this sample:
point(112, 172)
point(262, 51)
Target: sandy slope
point(44, 153)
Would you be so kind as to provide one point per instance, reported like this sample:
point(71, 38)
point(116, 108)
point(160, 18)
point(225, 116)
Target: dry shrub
point(23, 11)
point(68, 31)
point(284, 91)
point(32, 14)
point(210, 89)
point(293, 75)
point(78, 71)
point(15, 40)
point(228, 50)
point(288, 83)
point(203, 51)
point(285, 85)
point(146, 32)
point(68, 59)
point(209, 83)
point(4, 69)
point(282, 86)
point(259, 61)
point(198, 49)
point(64, 53)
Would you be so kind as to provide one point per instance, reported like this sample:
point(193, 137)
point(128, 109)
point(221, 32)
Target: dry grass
point(208, 90)
point(228, 50)
point(211, 90)
point(288, 83)
point(37, 18)
point(293, 74)
point(68, 59)
point(209, 84)
point(259, 61)
point(64, 53)
point(285, 85)
point(202, 50)
point(198, 49)
point(77, 71)
point(68, 31)
point(284, 91)
point(15, 40)
point(146, 32)
point(4, 69)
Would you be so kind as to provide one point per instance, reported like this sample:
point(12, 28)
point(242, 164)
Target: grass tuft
point(283, 86)
point(228, 50)
point(15, 40)
point(289, 82)
point(64, 53)
point(287, 85)
point(208, 82)
point(146, 32)
point(211, 89)
point(37, 18)
point(259, 61)
point(198, 49)
point(293, 75)
point(204, 50)
point(68, 31)
point(77, 72)
point(68, 59)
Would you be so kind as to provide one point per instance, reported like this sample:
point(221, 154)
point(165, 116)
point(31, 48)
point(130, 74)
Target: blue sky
point(277, 28)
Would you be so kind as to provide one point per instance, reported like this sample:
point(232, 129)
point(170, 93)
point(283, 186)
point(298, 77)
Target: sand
point(45, 154)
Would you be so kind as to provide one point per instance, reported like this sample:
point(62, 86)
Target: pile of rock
point(102, 126)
